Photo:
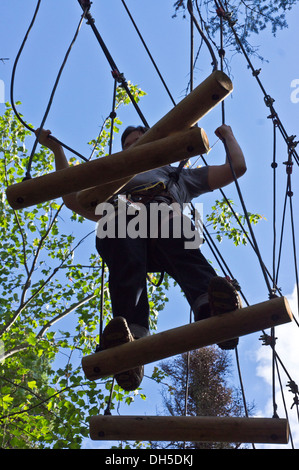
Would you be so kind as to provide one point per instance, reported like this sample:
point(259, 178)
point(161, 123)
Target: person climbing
point(130, 259)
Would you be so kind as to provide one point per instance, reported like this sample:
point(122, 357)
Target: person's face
point(132, 138)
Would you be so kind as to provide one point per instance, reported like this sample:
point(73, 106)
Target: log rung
point(189, 337)
point(190, 428)
point(98, 180)
point(103, 170)
point(208, 94)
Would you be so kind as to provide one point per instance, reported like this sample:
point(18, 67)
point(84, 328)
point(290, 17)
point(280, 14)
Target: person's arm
point(221, 175)
point(61, 162)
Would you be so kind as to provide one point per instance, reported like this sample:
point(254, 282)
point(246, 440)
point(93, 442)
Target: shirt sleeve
point(192, 183)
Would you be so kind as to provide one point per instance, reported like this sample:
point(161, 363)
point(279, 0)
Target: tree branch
point(64, 314)
point(45, 328)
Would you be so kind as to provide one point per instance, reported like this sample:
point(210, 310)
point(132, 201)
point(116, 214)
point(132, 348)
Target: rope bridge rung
point(189, 337)
point(104, 170)
point(98, 180)
point(189, 428)
point(208, 94)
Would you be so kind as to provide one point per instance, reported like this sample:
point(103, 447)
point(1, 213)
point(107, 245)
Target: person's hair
point(131, 129)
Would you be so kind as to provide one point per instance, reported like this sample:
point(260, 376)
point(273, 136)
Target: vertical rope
point(115, 71)
point(214, 60)
point(221, 54)
point(274, 167)
point(53, 93)
point(289, 169)
point(148, 51)
point(112, 117)
point(272, 334)
point(190, 318)
point(242, 387)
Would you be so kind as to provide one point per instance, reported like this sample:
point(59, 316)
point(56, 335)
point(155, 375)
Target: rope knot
point(268, 340)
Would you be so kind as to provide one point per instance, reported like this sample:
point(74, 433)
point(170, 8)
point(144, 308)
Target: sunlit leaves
point(226, 222)
point(50, 292)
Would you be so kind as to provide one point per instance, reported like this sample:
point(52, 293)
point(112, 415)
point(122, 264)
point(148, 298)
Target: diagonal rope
point(86, 4)
point(52, 94)
point(148, 51)
point(291, 147)
point(194, 20)
point(267, 98)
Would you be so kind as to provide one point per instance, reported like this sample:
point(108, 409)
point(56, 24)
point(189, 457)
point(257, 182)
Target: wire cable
point(148, 52)
point(52, 94)
point(114, 69)
point(267, 98)
point(194, 20)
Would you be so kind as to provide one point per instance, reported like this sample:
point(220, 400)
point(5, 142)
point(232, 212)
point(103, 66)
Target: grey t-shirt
point(192, 182)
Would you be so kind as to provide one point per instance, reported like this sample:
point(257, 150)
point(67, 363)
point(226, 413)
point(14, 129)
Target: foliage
point(50, 293)
point(208, 393)
point(50, 287)
point(226, 222)
point(247, 18)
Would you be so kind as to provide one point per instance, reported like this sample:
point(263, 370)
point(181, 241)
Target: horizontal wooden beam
point(208, 94)
point(117, 166)
point(189, 337)
point(189, 428)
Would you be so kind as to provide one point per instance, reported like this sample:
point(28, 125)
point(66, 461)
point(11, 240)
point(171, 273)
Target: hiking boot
point(224, 298)
point(201, 307)
point(116, 333)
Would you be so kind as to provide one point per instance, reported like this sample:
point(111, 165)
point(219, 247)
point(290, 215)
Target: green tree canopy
point(50, 290)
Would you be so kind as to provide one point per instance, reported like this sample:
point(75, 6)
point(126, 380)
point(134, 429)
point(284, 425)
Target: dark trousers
point(129, 260)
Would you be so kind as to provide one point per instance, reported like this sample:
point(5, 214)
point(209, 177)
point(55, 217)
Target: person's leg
point(187, 266)
point(126, 261)
point(207, 293)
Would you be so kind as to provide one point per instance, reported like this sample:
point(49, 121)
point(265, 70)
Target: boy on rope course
point(131, 254)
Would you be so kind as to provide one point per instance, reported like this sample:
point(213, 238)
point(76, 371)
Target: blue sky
point(84, 98)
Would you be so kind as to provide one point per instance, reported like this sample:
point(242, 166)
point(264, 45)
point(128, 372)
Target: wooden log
point(189, 337)
point(189, 428)
point(122, 164)
point(214, 89)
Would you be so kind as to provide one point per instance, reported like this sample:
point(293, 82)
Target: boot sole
point(116, 333)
